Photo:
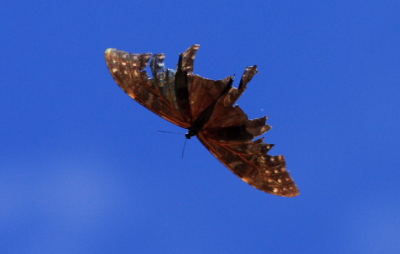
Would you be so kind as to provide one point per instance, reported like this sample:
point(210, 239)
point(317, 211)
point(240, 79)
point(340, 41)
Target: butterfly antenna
point(183, 150)
point(172, 132)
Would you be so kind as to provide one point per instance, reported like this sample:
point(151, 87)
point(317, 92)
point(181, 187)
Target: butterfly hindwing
point(249, 160)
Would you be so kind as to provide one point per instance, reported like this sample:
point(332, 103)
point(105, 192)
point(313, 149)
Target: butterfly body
point(206, 108)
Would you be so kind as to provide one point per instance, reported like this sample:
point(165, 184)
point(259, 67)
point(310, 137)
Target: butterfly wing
point(249, 160)
point(156, 94)
point(229, 136)
point(194, 93)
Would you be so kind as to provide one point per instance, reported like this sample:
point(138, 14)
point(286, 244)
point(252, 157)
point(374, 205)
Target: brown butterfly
point(205, 107)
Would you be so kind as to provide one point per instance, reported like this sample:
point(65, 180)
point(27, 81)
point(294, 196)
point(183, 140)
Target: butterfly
point(206, 108)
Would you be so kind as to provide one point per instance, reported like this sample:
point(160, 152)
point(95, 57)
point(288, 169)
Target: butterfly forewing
point(127, 70)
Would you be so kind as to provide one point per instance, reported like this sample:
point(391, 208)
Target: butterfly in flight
point(206, 108)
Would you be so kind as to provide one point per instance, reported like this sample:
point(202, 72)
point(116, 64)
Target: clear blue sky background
point(84, 170)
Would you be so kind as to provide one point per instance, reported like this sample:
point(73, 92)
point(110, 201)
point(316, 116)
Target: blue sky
point(84, 170)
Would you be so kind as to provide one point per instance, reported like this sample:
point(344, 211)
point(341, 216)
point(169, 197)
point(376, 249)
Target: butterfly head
point(191, 133)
